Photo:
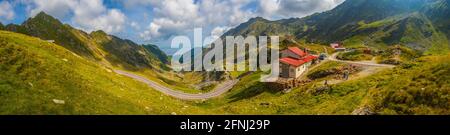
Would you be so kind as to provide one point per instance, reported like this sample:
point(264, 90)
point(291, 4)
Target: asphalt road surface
point(219, 90)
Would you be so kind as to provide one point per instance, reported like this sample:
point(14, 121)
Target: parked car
point(323, 56)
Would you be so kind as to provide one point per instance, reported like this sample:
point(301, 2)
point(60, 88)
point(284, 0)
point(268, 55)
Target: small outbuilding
point(294, 62)
point(338, 46)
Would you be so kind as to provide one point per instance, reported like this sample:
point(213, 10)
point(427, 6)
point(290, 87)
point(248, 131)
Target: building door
point(285, 71)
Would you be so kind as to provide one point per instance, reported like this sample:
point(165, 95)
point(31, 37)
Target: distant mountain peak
point(99, 33)
point(96, 46)
point(42, 14)
point(258, 19)
point(43, 17)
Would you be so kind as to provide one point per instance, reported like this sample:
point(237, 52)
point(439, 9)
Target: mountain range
point(97, 45)
point(419, 24)
point(47, 67)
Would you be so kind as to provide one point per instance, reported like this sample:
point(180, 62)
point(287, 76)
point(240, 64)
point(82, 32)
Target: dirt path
point(370, 67)
point(367, 71)
point(333, 58)
point(219, 90)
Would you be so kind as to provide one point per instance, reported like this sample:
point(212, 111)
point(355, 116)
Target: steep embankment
point(38, 77)
point(158, 52)
point(97, 46)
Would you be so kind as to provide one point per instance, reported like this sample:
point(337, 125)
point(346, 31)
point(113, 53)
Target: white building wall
point(292, 72)
point(296, 72)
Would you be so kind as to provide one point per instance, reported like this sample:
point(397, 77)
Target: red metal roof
point(310, 58)
point(297, 51)
point(298, 62)
point(292, 61)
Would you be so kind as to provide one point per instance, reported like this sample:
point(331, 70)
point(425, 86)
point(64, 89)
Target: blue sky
point(157, 21)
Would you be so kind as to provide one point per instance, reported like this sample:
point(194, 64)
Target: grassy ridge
point(49, 28)
point(33, 73)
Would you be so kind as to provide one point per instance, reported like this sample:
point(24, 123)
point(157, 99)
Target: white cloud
point(174, 17)
point(133, 3)
point(219, 31)
point(6, 11)
point(153, 31)
point(57, 8)
point(295, 8)
point(93, 15)
point(167, 18)
point(88, 15)
point(135, 25)
point(269, 7)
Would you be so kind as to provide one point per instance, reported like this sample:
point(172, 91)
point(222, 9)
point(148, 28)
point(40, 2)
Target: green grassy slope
point(33, 73)
point(48, 28)
point(124, 53)
point(259, 27)
point(419, 24)
point(413, 30)
point(97, 46)
point(438, 12)
point(338, 23)
point(158, 52)
point(420, 87)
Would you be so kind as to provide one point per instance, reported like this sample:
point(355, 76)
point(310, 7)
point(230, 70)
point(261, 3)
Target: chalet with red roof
point(338, 46)
point(294, 62)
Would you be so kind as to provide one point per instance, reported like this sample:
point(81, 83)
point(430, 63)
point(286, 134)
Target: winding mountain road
point(371, 68)
point(219, 90)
